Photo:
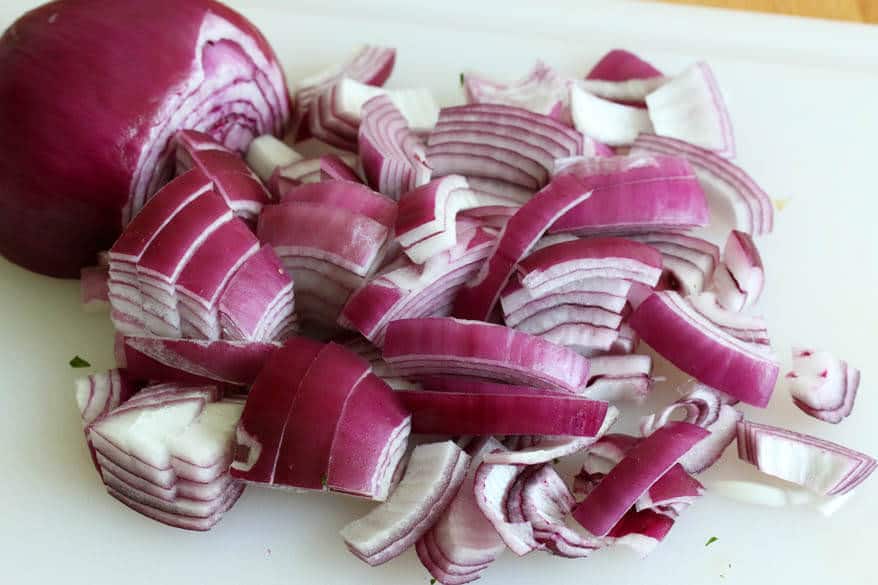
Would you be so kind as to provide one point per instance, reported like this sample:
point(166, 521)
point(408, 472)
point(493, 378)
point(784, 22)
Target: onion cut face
point(741, 277)
point(542, 91)
point(634, 194)
point(821, 466)
point(609, 122)
point(462, 542)
point(405, 290)
point(335, 168)
point(523, 230)
point(431, 481)
point(97, 395)
point(266, 154)
point(317, 418)
point(690, 107)
point(501, 143)
point(201, 66)
point(620, 378)
point(642, 467)
point(436, 345)
point(822, 385)
point(462, 413)
point(347, 195)
point(394, 159)
point(672, 327)
point(94, 288)
point(732, 194)
point(748, 328)
point(241, 189)
point(688, 262)
point(371, 65)
point(165, 453)
point(190, 361)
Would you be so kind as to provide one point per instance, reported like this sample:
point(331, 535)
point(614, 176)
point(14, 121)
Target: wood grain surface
point(853, 10)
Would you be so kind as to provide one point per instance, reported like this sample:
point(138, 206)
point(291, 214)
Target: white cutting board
point(802, 96)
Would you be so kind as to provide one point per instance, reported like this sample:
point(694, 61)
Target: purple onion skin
point(80, 83)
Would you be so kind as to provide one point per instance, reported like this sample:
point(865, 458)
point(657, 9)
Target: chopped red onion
point(607, 121)
point(542, 91)
point(741, 277)
point(94, 288)
point(819, 465)
point(347, 195)
point(822, 385)
point(747, 328)
point(334, 168)
point(688, 262)
point(620, 378)
point(266, 153)
point(622, 65)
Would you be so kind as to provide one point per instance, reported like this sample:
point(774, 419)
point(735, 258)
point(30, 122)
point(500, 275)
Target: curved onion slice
point(347, 195)
point(432, 479)
point(452, 346)
point(607, 121)
point(493, 483)
point(425, 225)
point(335, 168)
point(94, 288)
point(634, 194)
point(499, 142)
point(266, 153)
point(821, 466)
point(822, 385)
point(523, 230)
point(461, 413)
point(729, 189)
point(741, 277)
point(417, 106)
point(97, 395)
point(688, 262)
point(690, 107)
point(542, 91)
point(242, 190)
point(191, 361)
point(622, 65)
point(747, 328)
point(405, 290)
point(642, 466)
point(462, 543)
point(676, 487)
point(371, 65)
point(703, 407)
point(678, 332)
point(393, 158)
point(619, 377)
point(641, 531)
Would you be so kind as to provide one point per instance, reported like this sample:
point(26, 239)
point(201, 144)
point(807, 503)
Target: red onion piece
point(634, 194)
point(674, 487)
point(748, 328)
point(462, 543)
point(492, 485)
point(690, 107)
point(97, 395)
point(334, 168)
point(622, 65)
point(266, 153)
point(190, 361)
point(642, 466)
point(822, 385)
point(729, 189)
point(641, 531)
point(370, 64)
point(741, 277)
point(460, 413)
point(821, 466)
point(688, 262)
point(520, 234)
point(405, 290)
point(416, 105)
point(242, 190)
point(205, 68)
point(94, 288)
point(619, 378)
point(678, 332)
point(609, 122)
point(452, 346)
point(542, 91)
point(431, 481)
point(346, 195)
point(393, 158)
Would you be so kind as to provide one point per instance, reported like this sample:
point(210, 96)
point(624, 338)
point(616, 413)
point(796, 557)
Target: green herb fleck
point(323, 480)
point(711, 540)
point(461, 79)
point(78, 362)
point(433, 581)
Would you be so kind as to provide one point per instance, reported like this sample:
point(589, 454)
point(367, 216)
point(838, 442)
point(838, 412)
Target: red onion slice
point(542, 91)
point(94, 288)
point(641, 531)
point(634, 194)
point(519, 235)
point(730, 190)
point(821, 466)
point(822, 385)
point(459, 413)
point(688, 262)
point(417, 106)
point(334, 168)
point(622, 65)
point(370, 64)
point(492, 485)
point(432, 479)
point(266, 153)
point(642, 466)
point(690, 107)
point(620, 378)
point(747, 328)
point(393, 158)
point(346, 195)
point(741, 277)
point(676, 487)
point(694, 344)
point(97, 395)
point(190, 361)
point(452, 346)
point(609, 122)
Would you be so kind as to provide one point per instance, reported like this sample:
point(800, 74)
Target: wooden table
point(854, 10)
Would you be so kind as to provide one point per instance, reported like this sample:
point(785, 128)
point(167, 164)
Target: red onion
point(266, 153)
point(97, 395)
point(460, 413)
point(241, 189)
point(334, 168)
point(432, 479)
point(451, 346)
point(492, 485)
point(741, 278)
point(347, 195)
point(690, 107)
point(520, 234)
point(676, 490)
point(747, 328)
point(688, 262)
point(94, 288)
point(622, 65)
point(634, 194)
point(641, 531)
point(607, 121)
point(542, 91)
point(822, 385)
point(821, 466)
point(370, 64)
point(190, 361)
point(620, 377)
point(199, 65)
point(393, 158)
point(729, 189)
point(643, 465)
point(698, 347)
